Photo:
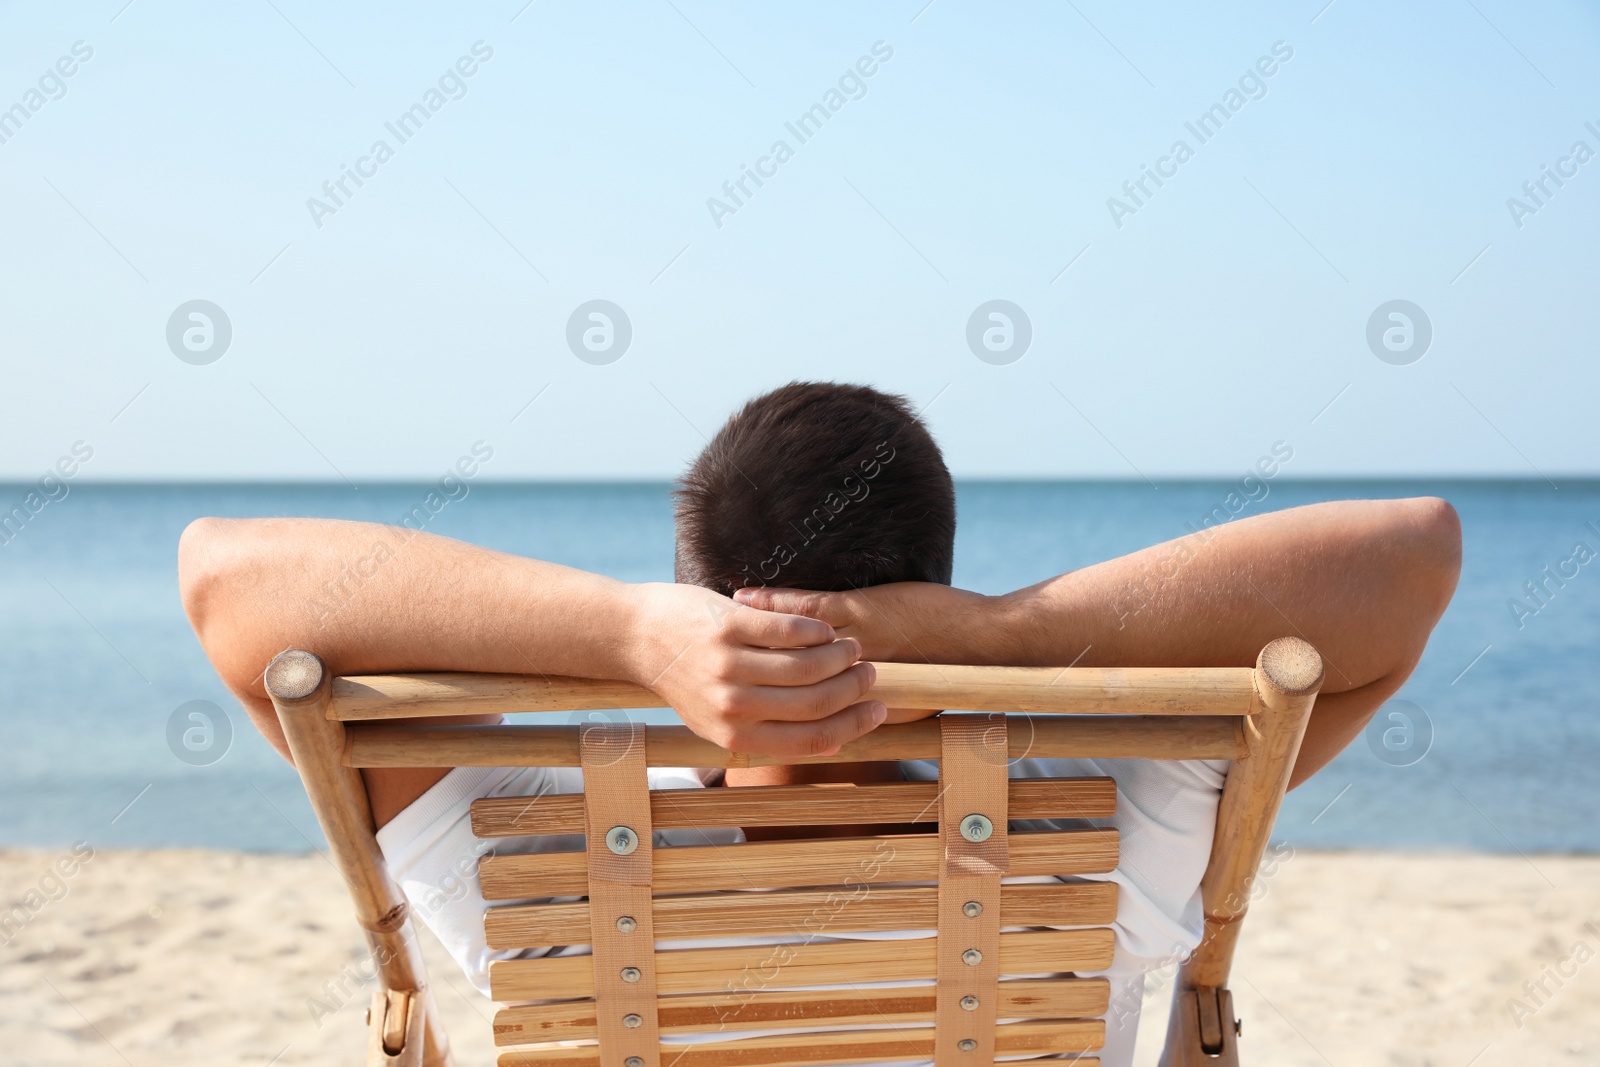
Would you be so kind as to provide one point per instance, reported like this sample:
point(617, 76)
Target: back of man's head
point(817, 486)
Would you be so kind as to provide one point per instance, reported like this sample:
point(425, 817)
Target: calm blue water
point(95, 653)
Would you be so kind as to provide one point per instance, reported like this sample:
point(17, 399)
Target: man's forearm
point(1363, 581)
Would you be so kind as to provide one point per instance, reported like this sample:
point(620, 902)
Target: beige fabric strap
point(617, 811)
point(973, 765)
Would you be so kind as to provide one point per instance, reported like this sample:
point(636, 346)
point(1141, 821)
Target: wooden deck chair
point(613, 1007)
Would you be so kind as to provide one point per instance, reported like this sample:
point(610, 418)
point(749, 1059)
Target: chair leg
point(396, 1024)
point(435, 1043)
point(1203, 1031)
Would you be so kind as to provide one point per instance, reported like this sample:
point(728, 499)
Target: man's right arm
point(369, 598)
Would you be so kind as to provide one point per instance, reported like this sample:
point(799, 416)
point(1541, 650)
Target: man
point(816, 533)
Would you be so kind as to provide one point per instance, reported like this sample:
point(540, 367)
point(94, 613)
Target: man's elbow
point(1435, 549)
point(202, 568)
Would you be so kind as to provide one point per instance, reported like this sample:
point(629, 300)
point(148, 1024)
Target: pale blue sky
point(1225, 315)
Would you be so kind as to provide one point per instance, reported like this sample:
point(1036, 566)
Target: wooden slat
point(522, 1057)
point(1034, 998)
point(1047, 690)
point(784, 864)
point(804, 911)
point(1116, 737)
point(822, 804)
point(843, 1046)
point(698, 970)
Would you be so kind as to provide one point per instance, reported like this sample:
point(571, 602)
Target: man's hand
point(760, 682)
point(900, 622)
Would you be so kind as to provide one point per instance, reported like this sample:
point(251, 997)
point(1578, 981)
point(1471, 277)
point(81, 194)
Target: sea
point(1493, 745)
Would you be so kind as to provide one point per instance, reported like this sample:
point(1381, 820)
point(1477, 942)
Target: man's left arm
point(1365, 581)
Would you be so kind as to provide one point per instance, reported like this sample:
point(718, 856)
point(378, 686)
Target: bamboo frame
point(1039, 690)
point(1202, 1027)
point(1255, 717)
point(299, 688)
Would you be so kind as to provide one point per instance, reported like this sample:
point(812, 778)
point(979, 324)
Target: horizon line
point(634, 480)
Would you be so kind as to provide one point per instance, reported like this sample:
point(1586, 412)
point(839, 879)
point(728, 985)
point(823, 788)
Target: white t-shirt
point(1166, 815)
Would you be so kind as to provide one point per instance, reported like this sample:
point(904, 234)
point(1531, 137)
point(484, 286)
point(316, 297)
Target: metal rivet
point(976, 828)
point(966, 1044)
point(972, 957)
point(633, 1061)
point(622, 840)
point(626, 924)
point(630, 974)
point(632, 1022)
point(969, 1003)
point(972, 909)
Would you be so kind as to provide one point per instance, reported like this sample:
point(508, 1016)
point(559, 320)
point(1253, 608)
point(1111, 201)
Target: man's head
point(817, 486)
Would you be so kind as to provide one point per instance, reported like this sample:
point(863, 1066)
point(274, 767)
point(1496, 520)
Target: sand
point(1349, 959)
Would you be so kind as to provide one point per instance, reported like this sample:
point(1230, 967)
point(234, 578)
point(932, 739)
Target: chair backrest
point(814, 911)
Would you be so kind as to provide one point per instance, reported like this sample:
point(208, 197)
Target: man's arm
point(1364, 581)
point(371, 599)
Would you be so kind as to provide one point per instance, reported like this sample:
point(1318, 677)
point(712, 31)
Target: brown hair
point(817, 485)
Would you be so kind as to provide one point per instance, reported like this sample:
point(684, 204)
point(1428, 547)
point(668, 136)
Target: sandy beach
point(207, 958)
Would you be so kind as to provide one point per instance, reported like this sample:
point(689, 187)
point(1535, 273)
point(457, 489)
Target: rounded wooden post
point(1287, 677)
point(299, 686)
